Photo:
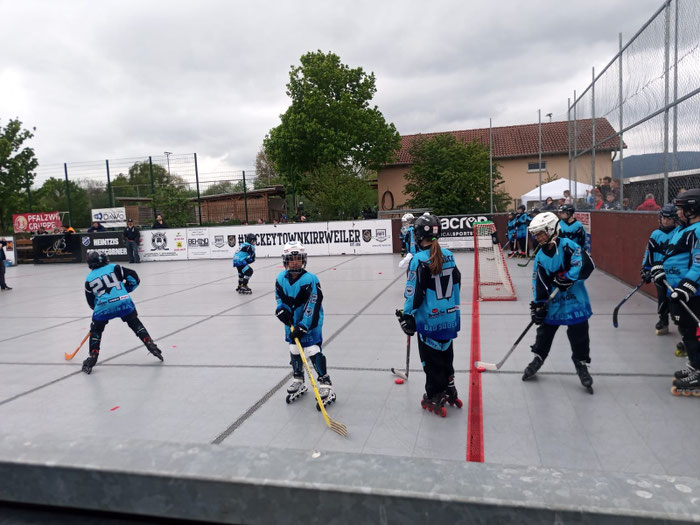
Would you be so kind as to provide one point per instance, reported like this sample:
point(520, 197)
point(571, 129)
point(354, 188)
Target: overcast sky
point(121, 79)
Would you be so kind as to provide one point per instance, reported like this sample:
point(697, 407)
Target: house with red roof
point(515, 151)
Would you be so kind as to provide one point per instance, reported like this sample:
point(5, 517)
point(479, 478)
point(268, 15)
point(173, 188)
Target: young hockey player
point(681, 271)
point(569, 227)
point(299, 299)
point(512, 234)
point(522, 221)
point(408, 241)
point(654, 255)
point(563, 264)
point(107, 289)
point(432, 309)
point(242, 260)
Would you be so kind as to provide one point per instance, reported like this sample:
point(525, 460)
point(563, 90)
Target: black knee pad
point(248, 272)
point(297, 365)
point(133, 321)
point(319, 361)
point(96, 329)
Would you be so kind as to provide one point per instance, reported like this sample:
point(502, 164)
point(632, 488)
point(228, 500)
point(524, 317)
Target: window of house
point(536, 166)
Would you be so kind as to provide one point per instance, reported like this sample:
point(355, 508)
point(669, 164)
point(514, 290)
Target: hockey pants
point(688, 328)
point(438, 367)
point(97, 327)
point(578, 337)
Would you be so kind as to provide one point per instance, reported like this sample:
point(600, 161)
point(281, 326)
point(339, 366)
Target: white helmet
point(545, 222)
point(292, 251)
point(408, 217)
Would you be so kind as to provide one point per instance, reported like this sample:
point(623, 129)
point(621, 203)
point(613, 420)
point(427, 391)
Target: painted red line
point(475, 418)
point(113, 408)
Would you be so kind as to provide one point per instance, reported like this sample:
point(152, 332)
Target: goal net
point(491, 270)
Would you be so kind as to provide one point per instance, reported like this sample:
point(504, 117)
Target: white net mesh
point(492, 272)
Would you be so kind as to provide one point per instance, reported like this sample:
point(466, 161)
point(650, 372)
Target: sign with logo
point(110, 243)
point(60, 248)
point(31, 222)
point(10, 253)
point(198, 243)
point(163, 245)
point(110, 217)
point(457, 231)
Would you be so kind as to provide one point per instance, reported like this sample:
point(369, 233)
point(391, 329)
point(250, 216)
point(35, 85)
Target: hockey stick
point(333, 424)
point(617, 308)
point(482, 365)
point(71, 356)
point(530, 258)
point(399, 373)
point(687, 308)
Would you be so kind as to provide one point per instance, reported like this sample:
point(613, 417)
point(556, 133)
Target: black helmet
point(97, 260)
point(427, 226)
point(689, 202)
point(567, 208)
point(250, 237)
point(668, 211)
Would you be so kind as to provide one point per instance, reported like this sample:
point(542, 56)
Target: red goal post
point(491, 270)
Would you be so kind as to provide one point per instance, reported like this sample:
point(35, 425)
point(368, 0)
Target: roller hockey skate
point(689, 385)
point(680, 350)
point(296, 389)
point(662, 327)
point(584, 376)
point(325, 391)
point(244, 290)
point(151, 347)
point(434, 404)
point(451, 395)
point(533, 367)
point(89, 363)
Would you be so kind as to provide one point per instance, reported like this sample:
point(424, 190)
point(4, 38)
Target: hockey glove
point(285, 316)
point(406, 260)
point(297, 332)
point(562, 281)
point(646, 275)
point(538, 312)
point(407, 322)
point(683, 292)
point(658, 274)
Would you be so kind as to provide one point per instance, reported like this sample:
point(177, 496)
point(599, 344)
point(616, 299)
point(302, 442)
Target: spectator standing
point(567, 197)
point(3, 258)
point(649, 204)
point(131, 239)
point(604, 187)
point(598, 198)
point(610, 202)
point(549, 204)
point(615, 189)
point(96, 227)
point(160, 224)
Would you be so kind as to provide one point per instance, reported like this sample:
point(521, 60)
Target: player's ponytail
point(435, 257)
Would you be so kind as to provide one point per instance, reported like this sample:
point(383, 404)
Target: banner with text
point(31, 222)
point(110, 217)
point(457, 230)
point(198, 243)
point(61, 248)
point(163, 245)
point(111, 243)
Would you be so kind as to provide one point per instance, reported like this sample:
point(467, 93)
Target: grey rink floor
point(226, 369)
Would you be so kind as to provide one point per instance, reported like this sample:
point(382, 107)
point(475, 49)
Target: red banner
point(31, 222)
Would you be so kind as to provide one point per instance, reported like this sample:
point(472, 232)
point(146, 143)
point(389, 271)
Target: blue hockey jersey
point(107, 291)
point(408, 240)
point(433, 300)
point(682, 262)
point(522, 220)
point(573, 231)
point(301, 295)
point(657, 246)
point(244, 256)
point(512, 228)
point(571, 306)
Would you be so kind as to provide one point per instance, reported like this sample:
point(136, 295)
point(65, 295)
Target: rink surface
point(226, 369)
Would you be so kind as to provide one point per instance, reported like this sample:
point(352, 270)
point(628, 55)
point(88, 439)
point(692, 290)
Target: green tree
point(338, 193)
point(225, 186)
point(173, 201)
point(265, 174)
point(451, 177)
point(17, 164)
point(329, 122)
point(52, 197)
point(140, 178)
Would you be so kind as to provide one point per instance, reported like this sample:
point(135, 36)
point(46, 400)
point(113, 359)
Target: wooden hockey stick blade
point(400, 374)
point(71, 356)
point(334, 425)
point(485, 366)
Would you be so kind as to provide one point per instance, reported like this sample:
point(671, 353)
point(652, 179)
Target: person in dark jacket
point(160, 224)
point(96, 227)
point(3, 258)
point(131, 239)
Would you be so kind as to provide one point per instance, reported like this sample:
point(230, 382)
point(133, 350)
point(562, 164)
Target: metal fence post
point(593, 127)
point(675, 90)
point(568, 136)
point(199, 197)
point(622, 153)
point(491, 164)
point(575, 149)
point(245, 198)
point(110, 193)
point(153, 186)
point(70, 208)
point(667, 64)
point(29, 189)
point(539, 150)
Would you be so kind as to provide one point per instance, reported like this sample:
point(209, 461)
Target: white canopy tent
point(555, 189)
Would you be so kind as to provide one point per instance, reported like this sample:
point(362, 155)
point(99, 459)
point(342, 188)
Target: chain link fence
point(649, 94)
